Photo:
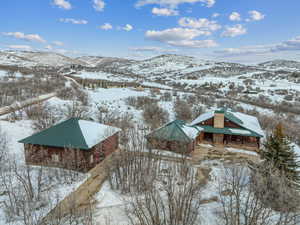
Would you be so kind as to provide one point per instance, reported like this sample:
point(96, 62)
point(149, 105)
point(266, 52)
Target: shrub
point(182, 110)
point(155, 116)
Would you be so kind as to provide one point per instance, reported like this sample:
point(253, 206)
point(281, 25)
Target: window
point(55, 158)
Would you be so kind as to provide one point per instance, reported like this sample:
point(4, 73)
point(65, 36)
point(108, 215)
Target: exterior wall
point(227, 123)
point(75, 159)
point(209, 122)
point(230, 124)
point(174, 146)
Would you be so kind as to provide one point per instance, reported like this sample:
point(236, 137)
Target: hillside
point(281, 65)
point(30, 59)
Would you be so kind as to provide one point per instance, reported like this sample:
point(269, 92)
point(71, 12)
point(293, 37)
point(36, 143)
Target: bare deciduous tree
point(182, 110)
point(76, 110)
point(174, 199)
point(243, 203)
point(155, 116)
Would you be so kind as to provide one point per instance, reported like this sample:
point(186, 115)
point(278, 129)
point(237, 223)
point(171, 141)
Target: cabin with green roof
point(73, 144)
point(175, 136)
point(225, 127)
point(222, 127)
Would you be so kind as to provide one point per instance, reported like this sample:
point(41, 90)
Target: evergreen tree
point(280, 154)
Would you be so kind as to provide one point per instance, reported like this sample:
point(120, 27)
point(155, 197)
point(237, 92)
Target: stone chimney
point(219, 119)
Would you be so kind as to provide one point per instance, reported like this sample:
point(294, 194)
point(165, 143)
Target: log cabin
point(175, 136)
point(225, 127)
point(222, 128)
point(73, 144)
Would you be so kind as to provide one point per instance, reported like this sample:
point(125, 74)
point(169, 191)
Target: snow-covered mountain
point(30, 59)
point(166, 67)
point(281, 65)
point(163, 67)
point(11, 59)
point(98, 61)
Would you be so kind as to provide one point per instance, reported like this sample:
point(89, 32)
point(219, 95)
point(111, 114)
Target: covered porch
point(229, 140)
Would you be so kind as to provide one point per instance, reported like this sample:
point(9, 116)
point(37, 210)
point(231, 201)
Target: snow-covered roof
point(249, 122)
point(203, 117)
point(72, 133)
point(176, 130)
point(95, 133)
point(191, 132)
point(240, 131)
point(245, 121)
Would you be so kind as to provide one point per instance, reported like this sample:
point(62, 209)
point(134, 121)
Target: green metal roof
point(230, 131)
point(72, 133)
point(176, 131)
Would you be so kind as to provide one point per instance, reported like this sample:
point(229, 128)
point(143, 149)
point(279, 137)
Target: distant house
point(222, 127)
point(226, 127)
point(175, 136)
point(74, 144)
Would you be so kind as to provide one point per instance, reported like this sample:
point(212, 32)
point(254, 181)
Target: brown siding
point(76, 159)
point(209, 122)
point(227, 123)
point(174, 146)
point(231, 124)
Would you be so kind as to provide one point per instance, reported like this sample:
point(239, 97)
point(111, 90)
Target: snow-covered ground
point(103, 76)
point(58, 190)
point(111, 205)
point(114, 94)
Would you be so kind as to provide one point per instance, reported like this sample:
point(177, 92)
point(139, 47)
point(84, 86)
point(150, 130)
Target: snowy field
point(111, 205)
point(102, 76)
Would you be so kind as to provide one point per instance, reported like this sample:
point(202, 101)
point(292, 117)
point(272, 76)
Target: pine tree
point(280, 153)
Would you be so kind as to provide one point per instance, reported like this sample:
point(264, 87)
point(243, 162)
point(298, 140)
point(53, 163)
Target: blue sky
point(232, 30)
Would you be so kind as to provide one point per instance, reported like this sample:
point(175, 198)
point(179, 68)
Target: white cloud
point(153, 49)
point(20, 47)
point(63, 4)
point(202, 23)
point(194, 43)
point(235, 16)
point(173, 3)
point(164, 12)
point(128, 27)
point(256, 49)
point(233, 31)
point(98, 5)
point(58, 43)
point(255, 16)
point(183, 37)
point(174, 34)
point(289, 45)
point(27, 37)
point(215, 15)
point(106, 26)
point(73, 21)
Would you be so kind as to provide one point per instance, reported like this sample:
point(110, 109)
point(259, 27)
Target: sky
point(246, 31)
